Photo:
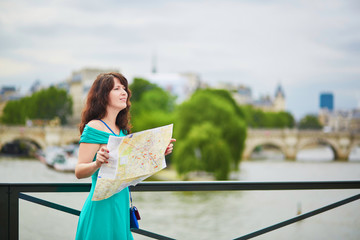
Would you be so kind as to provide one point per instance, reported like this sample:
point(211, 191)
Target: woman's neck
point(110, 118)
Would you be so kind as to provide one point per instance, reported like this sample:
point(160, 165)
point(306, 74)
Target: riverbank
point(18, 157)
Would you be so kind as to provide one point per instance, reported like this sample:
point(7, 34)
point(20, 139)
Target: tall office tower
point(327, 101)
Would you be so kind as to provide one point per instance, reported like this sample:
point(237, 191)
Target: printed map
point(132, 159)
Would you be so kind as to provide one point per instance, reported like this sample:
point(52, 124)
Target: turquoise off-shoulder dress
point(107, 219)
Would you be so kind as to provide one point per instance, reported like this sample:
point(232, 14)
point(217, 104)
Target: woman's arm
point(86, 166)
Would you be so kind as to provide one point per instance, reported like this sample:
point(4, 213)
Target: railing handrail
point(193, 186)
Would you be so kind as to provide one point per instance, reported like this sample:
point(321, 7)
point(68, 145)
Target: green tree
point(204, 149)
point(138, 87)
point(310, 122)
point(287, 119)
point(151, 106)
point(45, 104)
point(153, 100)
point(15, 112)
point(256, 118)
point(211, 134)
point(51, 102)
point(151, 119)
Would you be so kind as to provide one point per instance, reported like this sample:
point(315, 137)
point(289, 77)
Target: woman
point(106, 113)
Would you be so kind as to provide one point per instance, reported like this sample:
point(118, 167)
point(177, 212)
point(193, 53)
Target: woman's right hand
point(102, 156)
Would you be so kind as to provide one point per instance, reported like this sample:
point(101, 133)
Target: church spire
point(153, 63)
point(279, 92)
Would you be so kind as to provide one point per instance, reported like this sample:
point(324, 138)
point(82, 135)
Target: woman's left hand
point(170, 147)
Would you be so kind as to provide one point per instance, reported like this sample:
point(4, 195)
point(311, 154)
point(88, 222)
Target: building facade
point(340, 120)
point(243, 96)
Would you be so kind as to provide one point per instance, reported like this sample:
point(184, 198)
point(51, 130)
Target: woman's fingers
point(102, 156)
point(168, 151)
point(170, 147)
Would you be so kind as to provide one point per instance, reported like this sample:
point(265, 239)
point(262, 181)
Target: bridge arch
point(315, 141)
point(39, 143)
point(21, 147)
point(251, 146)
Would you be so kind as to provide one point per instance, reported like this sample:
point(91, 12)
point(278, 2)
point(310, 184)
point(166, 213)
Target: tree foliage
point(45, 104)
point(256, 118)
point(310, 122)
point(211, 134)
point(210, 127)
point(138, 87)
point(204, 149)
point(151, 106)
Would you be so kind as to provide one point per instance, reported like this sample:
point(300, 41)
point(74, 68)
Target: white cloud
point(259, 43)
point(48, 56)
point(12, 67)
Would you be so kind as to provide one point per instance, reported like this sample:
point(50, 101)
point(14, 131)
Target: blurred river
point(210, 215)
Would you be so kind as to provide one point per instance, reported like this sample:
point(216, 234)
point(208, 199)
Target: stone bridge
point(291, 141)
point(288, 141)
point(41, 136)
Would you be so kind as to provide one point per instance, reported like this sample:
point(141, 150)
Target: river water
point(209, 215)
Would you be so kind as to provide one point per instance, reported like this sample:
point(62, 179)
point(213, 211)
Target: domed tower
point(279, 101)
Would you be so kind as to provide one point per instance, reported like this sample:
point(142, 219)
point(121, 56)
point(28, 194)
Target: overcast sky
point(308, 46)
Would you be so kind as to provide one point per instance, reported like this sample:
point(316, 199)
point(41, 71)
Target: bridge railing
point(10, 193)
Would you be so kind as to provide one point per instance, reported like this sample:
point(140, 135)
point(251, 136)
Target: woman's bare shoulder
point(96, 124)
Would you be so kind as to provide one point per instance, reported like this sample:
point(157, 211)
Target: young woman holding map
point(106, 113)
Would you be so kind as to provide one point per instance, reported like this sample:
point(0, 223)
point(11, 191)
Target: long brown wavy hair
point(98, 98)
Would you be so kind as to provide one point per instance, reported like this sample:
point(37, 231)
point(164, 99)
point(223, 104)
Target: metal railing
point(10, 193)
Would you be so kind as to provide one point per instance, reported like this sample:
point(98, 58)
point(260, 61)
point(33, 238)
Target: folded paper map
point(132, 159)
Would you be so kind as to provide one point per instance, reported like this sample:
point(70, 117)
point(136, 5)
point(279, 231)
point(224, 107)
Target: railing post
point(13, 213)
point(4, 212)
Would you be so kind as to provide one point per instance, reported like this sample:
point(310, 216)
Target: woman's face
point(118, 96)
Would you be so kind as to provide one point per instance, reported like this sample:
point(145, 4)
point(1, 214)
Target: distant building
point(268, 104)
point(327, 101)
point(340, 120)
point(355, 121)
point(271, 104)
point(36, 86)
point(79, 84)
point(337, 120)
point(242, 94)
point(324, 117)
point(264, 103)
point(9, 93)
point(279, 103)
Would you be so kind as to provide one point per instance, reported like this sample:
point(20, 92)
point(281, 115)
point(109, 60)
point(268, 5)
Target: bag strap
point(130, 197)
point(108, 127)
